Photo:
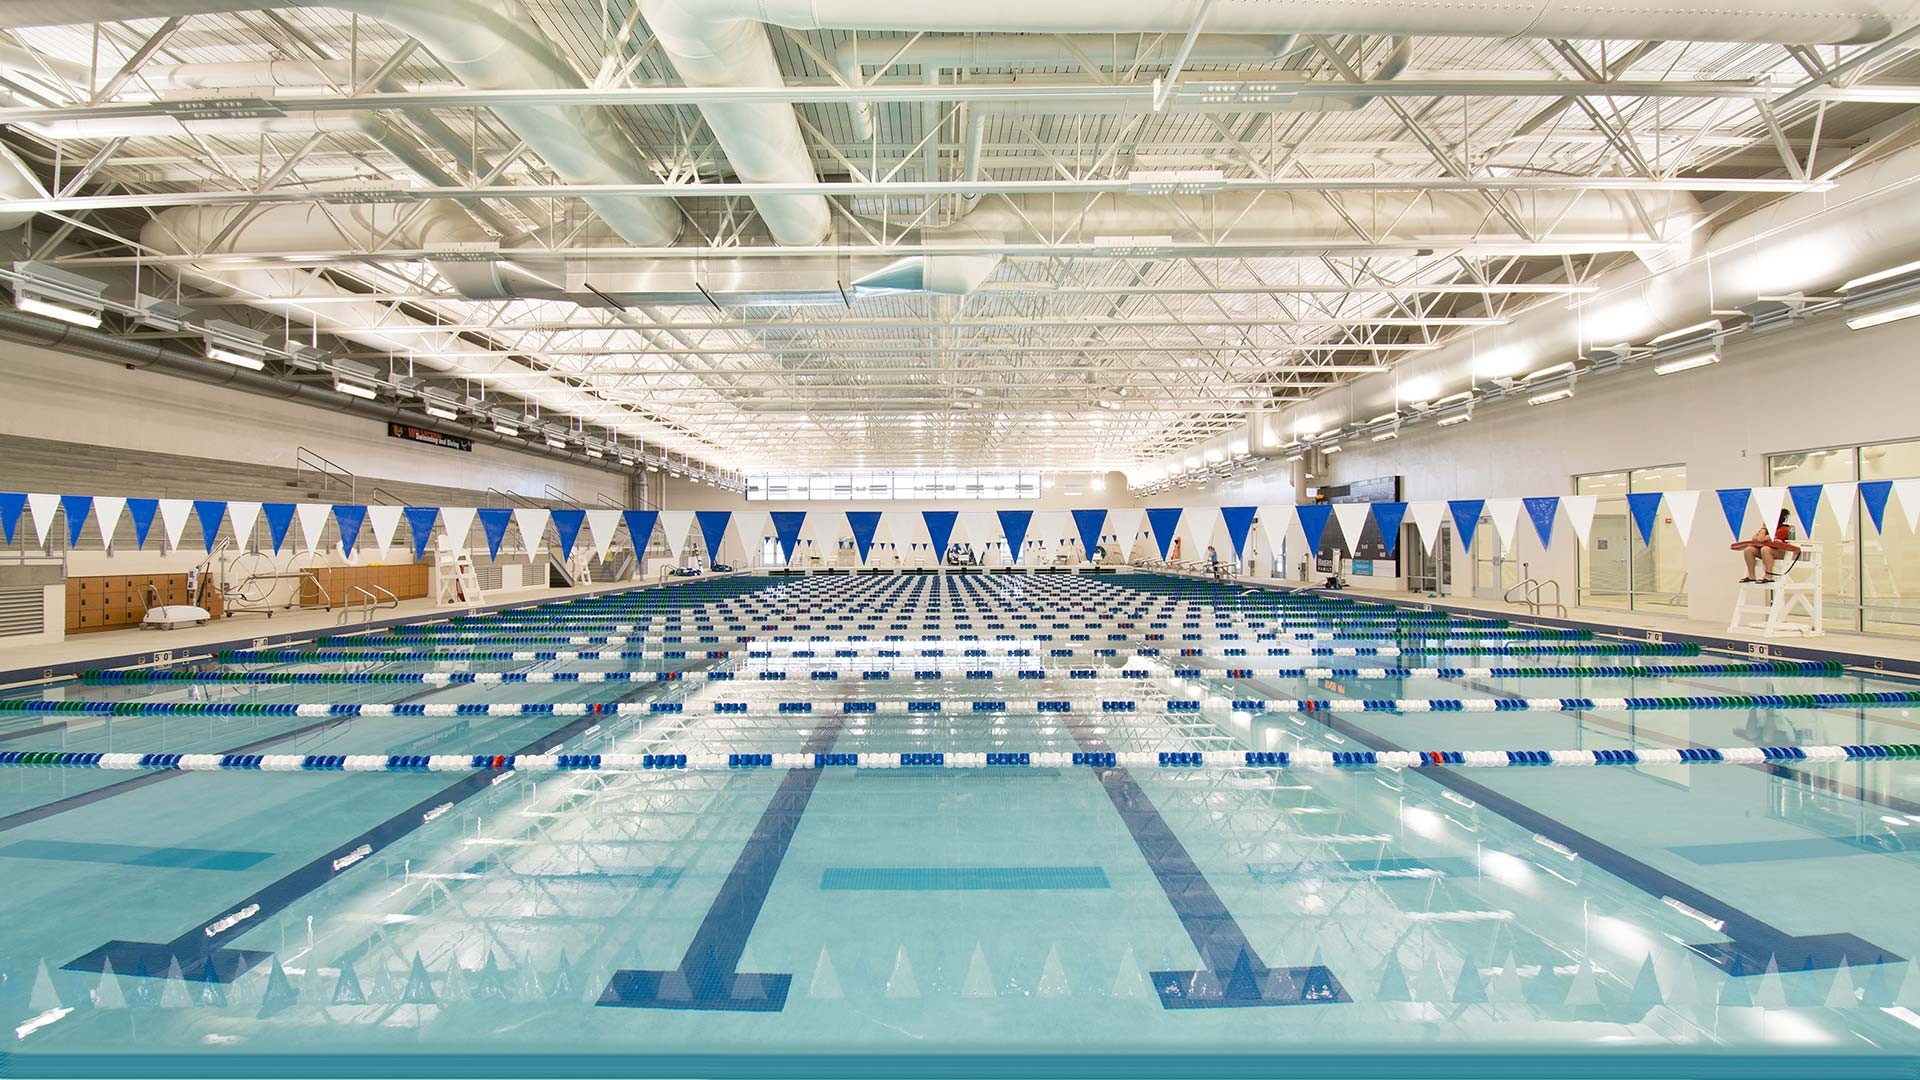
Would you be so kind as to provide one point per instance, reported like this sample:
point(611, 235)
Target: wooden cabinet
point(334, 584)
point(119, 601)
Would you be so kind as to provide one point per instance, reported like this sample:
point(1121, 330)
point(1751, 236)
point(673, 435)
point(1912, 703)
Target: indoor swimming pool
point(833, 824)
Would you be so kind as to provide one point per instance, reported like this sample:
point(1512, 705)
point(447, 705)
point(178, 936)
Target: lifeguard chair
point(1790, 605)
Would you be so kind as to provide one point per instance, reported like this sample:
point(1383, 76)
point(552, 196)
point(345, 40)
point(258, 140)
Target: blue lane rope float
point(737, 760)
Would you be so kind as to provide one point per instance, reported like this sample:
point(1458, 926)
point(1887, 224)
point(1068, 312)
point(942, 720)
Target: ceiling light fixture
point(439, 412)
point(1550, 396)
point(36, 306)
point(365, 393)
point(1457, 418)
point(237, 359)
point(1687, 363)
point(1547, 372)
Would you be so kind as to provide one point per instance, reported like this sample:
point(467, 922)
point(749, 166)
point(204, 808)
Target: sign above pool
point(408, 431)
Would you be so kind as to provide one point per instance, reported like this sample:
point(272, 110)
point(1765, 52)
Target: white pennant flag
point(43, 507)
point(1351, 520)
point(458, 521)
point(313, 522)
point(1125, 524)
point(107, 508)
point(1842, 497)
point(678, 525)
point(243, 515)
point(1580, 510)
point(533, 527)
point(1426, 516)
point(1769, 501)
point(602, 527)
point(1506, 521)
point(981, 528)
point(1681, 506)
point(173, 518)
point(1273, 526)
point(1907, 492)
point(752, 527)
point(385, 521)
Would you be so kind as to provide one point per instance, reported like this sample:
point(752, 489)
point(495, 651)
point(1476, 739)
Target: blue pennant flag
point(1806, 503)
point(786, 531)
point(1733, 503)
point(1875, 493)
point(349, 518)
point(142, 511)
point(1089, 523)
point(566, 524)
point(1313, 522)
point(639, 529)
point(11, 503)
point(279, 519)
point(1466, 518)
point(864, 524)
point(940, 529)
point(493, 522)
point(1387, 516)
point(1645, 508)
point(1541, 510)
point(78, 507)
point(713, 530)
point(211, 513)
point(1014, 523)
point(1164, 520)
point(420, 521)
point(1239, 521)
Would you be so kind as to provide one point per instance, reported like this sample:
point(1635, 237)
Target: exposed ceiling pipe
point(1807, 243)
point(155, 356)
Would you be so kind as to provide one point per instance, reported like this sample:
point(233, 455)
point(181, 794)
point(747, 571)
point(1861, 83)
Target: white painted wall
point(1812, 386)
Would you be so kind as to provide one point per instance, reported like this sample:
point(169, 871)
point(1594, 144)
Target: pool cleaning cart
point(1788, 606)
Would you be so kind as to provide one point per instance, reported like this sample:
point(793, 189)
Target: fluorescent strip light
point(62, 312)
point(237, 359)
point(592, 453)
point(439, 412)
point(1561, 394)
point(1689, 331)
point(1384, 417)
point(557, 444)
point(651, 467)
point(1884, 315)
point(1457, 419)
point(353, 390)
point(1547, 372)
point(1385, 435)
point(1898, 271)
point(505, 429)
point(1687, 363)
point(1332, 449)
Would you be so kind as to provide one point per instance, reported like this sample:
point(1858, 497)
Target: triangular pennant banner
point(1645, 508)
point(1770, 501)
point(313, 523)
point(243, 516)
point(209, 512)
point(566, 526)
point(1806, 505)
point(940, 530)
point(1088, 524)
point(1426, 516)
point(279, 520)
point(493, 523)
point(457, 522)
point(602, 527)
point(786, 531)
point(1907, 494)
point(1163, 521)
point(533, 527)
point(1505, 515)
point(1842, 497)
point(42, 507)
point(1239, 522)
point(1387, 517)
point(11, 503)
point(1275, 522)
point(713, 530)
point(142, 511)
point(1466, 518)
point(1874, 493)
point(863, 523)
point(107, 510)
point(1014, 524)
point(420, 521)
point(1313, 523)
point(678, 525)
point(1682, 505)
point(77, 508)
point(349, 518)
point(386, 524)
point(1124, 527)
point(1733, 503)
point(1541, 510)
point(640, 529)
point(1579, 510)
point(1351, 520)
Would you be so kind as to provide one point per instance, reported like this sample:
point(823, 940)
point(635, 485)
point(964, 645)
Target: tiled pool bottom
point(1057, 921)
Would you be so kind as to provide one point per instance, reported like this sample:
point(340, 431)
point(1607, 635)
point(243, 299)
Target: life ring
point(1775, 545)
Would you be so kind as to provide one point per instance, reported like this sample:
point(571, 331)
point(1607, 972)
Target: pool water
point(1041, 916)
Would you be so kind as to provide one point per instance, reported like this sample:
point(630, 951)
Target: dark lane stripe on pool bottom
point(1811, 847)
point(171, 858)
point(960, 878)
